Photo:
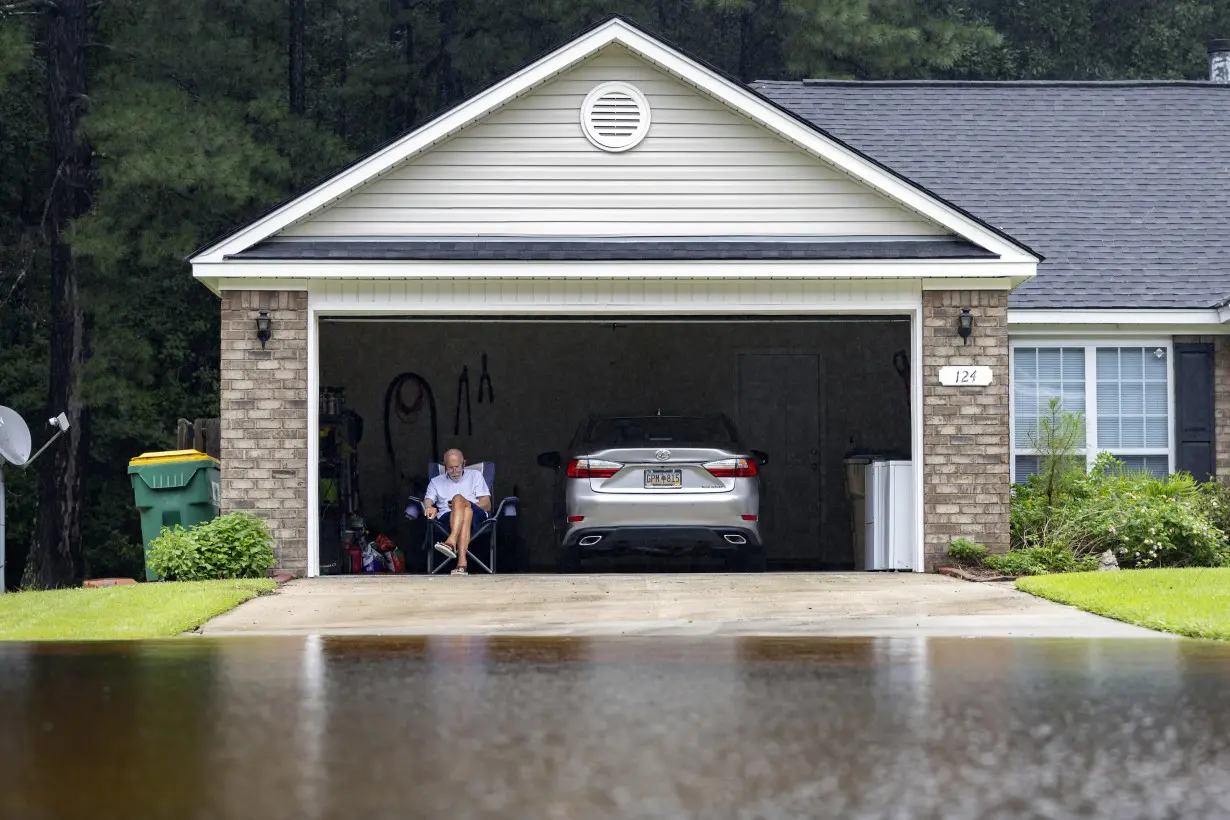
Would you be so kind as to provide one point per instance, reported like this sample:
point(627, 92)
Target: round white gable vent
point(615, 116)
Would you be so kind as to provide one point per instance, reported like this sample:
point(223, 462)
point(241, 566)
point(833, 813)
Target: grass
point(1192, 602)
point(121, 613)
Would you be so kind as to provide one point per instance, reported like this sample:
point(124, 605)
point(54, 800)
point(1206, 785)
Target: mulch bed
point(975, 574)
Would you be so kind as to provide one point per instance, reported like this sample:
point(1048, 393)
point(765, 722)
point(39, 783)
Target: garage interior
point(808, 391)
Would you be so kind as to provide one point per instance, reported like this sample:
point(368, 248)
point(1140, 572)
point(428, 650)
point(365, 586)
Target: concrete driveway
point(854, 604)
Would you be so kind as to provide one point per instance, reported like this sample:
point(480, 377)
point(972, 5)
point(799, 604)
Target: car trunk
point(659, 469)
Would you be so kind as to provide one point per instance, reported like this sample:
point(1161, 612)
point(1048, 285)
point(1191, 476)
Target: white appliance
point(889, 540)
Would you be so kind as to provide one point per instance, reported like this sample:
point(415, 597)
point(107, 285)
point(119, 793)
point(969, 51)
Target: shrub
point(174, 555)
point(1214, 503)
point(1057, 442)
point(1146, 521)
point(237, 545)
point(1039, 561)
point(966, 552)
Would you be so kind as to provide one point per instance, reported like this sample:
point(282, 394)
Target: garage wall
point(966, 485)
point(548, 377)
point(264, 417)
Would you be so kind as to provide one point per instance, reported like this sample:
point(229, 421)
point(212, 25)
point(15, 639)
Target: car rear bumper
point(664, 540)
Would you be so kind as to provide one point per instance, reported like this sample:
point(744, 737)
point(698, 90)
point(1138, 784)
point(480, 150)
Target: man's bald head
point(454, 462)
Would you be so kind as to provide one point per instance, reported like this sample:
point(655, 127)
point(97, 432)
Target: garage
point(620, 230)
point(807, 391)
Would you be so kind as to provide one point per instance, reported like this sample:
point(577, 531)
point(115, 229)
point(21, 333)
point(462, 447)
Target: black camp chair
point(487, 532)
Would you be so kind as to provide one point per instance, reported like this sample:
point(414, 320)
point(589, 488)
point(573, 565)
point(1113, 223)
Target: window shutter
point(1193, 372)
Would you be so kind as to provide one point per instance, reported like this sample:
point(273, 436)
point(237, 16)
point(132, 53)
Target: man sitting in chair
point(460, 500)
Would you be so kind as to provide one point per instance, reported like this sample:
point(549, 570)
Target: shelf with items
point(340, 502)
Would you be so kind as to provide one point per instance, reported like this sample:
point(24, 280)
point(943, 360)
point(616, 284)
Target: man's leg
point(456, 519)
point(464, 544)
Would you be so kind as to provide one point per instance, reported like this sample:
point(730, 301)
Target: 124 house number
point(967, 376)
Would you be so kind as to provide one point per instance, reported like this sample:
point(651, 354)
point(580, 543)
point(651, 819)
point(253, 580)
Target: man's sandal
point(446, 549)
point(459, 571)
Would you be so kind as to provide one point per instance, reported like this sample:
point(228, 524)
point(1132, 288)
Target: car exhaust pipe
point(734, 538)
point(590, 540)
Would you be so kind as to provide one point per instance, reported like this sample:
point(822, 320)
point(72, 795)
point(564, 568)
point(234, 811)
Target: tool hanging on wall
point(463, 384)
point(484, 379)
point(901, 362)
point(408, 412)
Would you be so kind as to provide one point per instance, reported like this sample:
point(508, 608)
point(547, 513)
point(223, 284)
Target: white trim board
point(1197, 321)
point(235, 274)
point(610, 297)
point(904, 302)
point(702, 78)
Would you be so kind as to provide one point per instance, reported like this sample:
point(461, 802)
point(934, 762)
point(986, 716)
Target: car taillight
point(592, 468)
point(732, 468)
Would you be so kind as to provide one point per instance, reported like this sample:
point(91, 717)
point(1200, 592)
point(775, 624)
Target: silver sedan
point(658, 485)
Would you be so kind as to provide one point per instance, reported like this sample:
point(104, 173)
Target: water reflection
point(560, 727)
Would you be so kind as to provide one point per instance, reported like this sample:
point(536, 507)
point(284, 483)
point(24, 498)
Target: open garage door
point(806, 392)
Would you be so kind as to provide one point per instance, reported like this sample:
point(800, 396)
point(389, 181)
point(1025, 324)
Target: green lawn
point(121, 613)
point(1193, 602)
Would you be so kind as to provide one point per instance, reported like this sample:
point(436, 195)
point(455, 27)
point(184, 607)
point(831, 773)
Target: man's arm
point(483, 493)
point(429, 503)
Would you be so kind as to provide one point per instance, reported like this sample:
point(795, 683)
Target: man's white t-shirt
point(441, 489)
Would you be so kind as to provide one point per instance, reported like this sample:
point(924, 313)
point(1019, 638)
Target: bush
point(1214, 503)
point(238, 545)
point(1039, 561)
point(1144, 520)
point(966, 552)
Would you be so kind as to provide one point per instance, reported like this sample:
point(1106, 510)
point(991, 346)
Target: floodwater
point(592, 728)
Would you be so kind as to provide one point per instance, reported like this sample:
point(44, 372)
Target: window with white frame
point(1122, 392)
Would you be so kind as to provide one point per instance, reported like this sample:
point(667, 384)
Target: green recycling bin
point(175, 487)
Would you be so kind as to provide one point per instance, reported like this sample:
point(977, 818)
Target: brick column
point(965, 429)
point(264, 417)
point(1221, 407)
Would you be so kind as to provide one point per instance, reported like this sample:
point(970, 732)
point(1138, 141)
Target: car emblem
point(662, 455)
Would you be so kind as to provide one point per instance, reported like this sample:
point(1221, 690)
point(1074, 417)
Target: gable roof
point(1120, 185)
point(706, 79)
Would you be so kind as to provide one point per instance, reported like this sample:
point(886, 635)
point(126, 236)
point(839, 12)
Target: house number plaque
point(978, 375)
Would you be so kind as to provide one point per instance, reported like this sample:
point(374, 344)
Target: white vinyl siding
point(527, 169)
point(1123, 392)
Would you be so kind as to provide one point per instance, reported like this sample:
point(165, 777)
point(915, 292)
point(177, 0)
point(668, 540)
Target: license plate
point(663, 479)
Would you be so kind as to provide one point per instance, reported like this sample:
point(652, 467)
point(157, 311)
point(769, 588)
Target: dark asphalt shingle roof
point(611, 250)
point(1123, 187)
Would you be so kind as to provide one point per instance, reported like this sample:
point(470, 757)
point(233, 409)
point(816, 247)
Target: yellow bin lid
point(171, 457)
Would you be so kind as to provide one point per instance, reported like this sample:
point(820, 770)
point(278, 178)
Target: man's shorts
point(480, 515)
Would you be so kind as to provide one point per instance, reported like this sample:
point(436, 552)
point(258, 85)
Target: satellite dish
point(14, 438)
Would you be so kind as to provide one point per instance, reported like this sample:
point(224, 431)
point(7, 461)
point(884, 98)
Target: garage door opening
point(810, 393)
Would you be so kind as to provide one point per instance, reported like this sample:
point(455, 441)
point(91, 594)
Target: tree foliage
point(196, 122)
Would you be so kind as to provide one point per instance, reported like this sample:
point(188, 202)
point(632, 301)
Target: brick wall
point(264, 417)
point(965, 429)
point(1221, 406)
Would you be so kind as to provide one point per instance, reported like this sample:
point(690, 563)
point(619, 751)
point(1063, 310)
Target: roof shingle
point(581, 249)
point(1122, 186)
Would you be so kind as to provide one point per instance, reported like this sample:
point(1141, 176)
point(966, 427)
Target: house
point(842, 267)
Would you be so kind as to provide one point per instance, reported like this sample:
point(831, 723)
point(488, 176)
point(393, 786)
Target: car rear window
point(659, 429)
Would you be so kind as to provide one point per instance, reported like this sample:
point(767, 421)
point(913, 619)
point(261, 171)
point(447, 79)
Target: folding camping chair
point(488, 531)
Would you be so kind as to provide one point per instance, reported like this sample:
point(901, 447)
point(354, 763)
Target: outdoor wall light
point(965, 325)
point(262, 328)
